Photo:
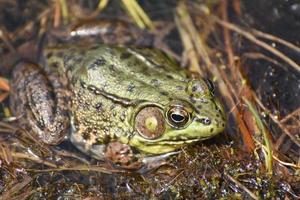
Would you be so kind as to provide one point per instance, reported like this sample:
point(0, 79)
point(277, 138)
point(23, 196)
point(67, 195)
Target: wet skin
point(116, 103)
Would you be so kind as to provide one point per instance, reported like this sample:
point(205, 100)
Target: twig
point(227, 38)
point(286, 163)
point(169, 184)
point(16, 188)
point(260, 43)
point(71, 155)
point(275, 39)
point(80, 168)
point(189, 52)
point(240, 185)
point(287, 117)
point(257, 55)
point(191, 30)
point(32, 158)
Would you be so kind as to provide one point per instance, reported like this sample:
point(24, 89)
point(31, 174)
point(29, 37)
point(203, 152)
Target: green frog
point(118, 103)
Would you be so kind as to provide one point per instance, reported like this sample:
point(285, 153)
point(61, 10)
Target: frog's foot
point(39, 102)
point(123, 156)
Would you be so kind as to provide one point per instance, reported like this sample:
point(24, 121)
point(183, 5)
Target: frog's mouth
point(175, 141)
point(178, 141)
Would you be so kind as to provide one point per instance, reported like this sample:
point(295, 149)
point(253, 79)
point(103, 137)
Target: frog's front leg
point(120, 155)
point(123, 155)
point(40, 101)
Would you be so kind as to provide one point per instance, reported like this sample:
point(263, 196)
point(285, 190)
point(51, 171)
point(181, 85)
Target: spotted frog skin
point(117, 103)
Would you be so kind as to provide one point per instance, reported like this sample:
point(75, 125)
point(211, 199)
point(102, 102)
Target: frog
point(124, 104)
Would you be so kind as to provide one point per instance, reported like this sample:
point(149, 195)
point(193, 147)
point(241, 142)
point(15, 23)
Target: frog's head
point(164, 128)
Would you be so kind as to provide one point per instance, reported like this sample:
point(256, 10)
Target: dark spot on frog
point(100, 62)
point(99, 106)
point(218, 109)
point(154, 82)
point(202, 100)
point(54, 65)
point(78, 59)
point(80, 101)
point(164, 93)
point(85, 105)
point(112, 107)
point(74, 80)
point(194, 88)
point(41, 123)
point(223, 124)
point(179, 87)
point(199, 107)
point(112, 68)
point(122, 116)
point(125, 55)
point(48, 97)
point(192, 99)
point(106, 135)
point(130, 87)
point(69, 66)
point(218, 123)
point(212, 130)
point(158, 66)
point(97, 63)
point(97, 142)
point(65, 113)
point(68, 57)
point(49, 55)
point(86, 135)
point(143, 69)
point(169, 77)
point(83, 85)
point(111, 51)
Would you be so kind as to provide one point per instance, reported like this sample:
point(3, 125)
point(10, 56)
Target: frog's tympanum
point(117, 103)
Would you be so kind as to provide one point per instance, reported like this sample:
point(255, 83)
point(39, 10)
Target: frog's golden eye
point(178, 117)
point(150, 122)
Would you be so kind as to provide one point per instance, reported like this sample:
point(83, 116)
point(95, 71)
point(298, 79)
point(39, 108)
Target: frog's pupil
point(177, 118)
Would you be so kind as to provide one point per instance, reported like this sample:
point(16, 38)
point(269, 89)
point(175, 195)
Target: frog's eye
point(210, 85)
point(178, 117)
point(150, 122)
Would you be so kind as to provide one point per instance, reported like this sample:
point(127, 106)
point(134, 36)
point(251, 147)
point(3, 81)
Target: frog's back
point(131, 73)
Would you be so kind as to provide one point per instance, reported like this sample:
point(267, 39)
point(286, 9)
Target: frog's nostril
point(205, 121)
